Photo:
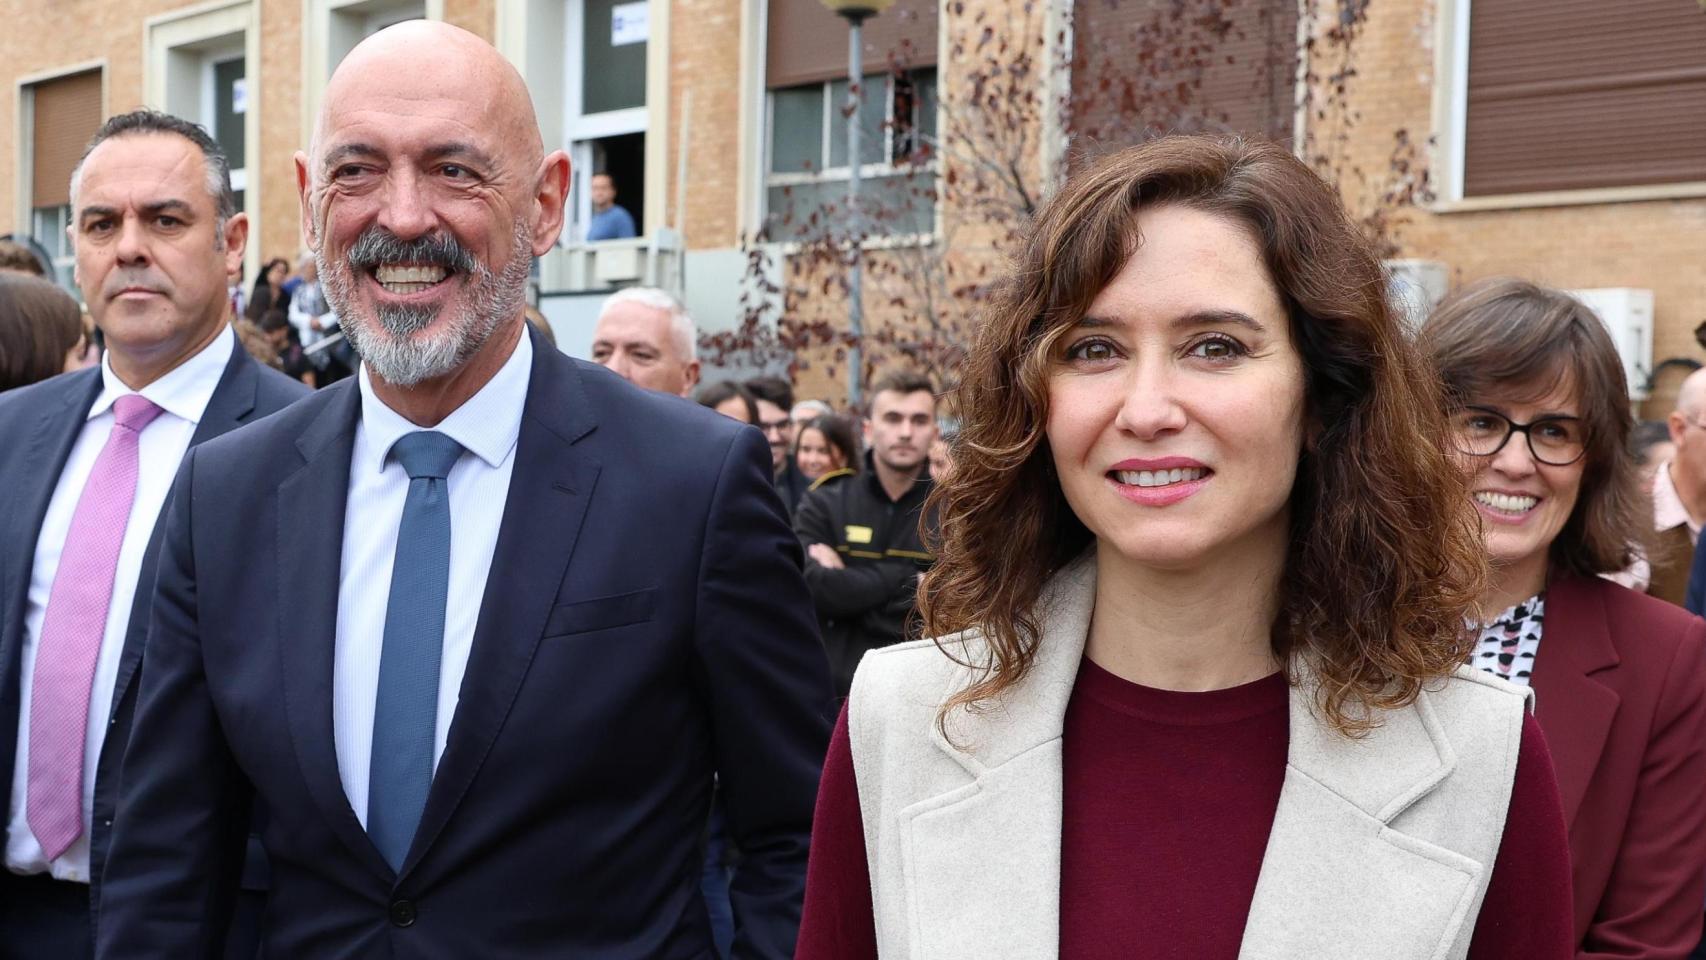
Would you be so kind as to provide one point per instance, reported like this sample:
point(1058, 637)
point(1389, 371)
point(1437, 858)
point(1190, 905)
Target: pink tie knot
point(135, 411)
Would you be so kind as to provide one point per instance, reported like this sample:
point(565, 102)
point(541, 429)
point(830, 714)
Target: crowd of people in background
point(1397, 633)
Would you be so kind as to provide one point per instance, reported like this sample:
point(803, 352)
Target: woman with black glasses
point(1541, 422)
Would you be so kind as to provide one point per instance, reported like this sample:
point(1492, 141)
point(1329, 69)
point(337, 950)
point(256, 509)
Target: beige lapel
point(982, 861)
point(1338, 882)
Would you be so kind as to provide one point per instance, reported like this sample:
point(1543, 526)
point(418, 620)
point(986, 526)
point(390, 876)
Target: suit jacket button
point(403, 913)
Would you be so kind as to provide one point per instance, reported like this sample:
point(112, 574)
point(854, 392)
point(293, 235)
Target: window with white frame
point(1570, 96)
point(605, 104)
point(807, 168)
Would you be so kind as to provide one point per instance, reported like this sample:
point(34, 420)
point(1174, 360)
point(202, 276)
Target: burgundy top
point(1168, 799)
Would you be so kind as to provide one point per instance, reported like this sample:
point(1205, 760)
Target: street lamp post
point(856, 12)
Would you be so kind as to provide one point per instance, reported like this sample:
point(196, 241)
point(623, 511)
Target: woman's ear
point(1312, 433)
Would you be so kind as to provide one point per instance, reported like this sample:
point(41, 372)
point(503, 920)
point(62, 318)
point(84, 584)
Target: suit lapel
point(232, 400)
point(54, 433)
point(31, 487)
point(310, 535)
point(549, 489)
point(1573, 706)
point(1372, 891)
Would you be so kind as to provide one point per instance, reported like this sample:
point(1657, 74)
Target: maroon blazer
point(1620, 692)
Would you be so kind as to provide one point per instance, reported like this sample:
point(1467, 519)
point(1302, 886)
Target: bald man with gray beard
point(477, 625)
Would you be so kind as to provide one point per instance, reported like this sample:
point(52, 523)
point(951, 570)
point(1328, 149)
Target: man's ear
point(236, 240)
point(304, 197)
point(692, 379)
point(552, 195)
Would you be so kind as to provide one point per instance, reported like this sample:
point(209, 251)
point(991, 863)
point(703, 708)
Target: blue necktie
point(405, 716)
point(1695, 599)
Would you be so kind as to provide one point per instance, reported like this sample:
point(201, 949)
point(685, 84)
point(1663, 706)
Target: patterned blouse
point(1508, 644)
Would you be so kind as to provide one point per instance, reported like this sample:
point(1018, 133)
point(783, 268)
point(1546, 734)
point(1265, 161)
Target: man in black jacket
point(861, 531)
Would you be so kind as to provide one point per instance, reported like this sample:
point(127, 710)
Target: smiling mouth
point(1510, 505)
point(1158, 478)
point(405, 279)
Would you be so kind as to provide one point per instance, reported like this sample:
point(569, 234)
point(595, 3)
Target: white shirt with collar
point(487, 426)
point(183, 394)
point(1668, 510)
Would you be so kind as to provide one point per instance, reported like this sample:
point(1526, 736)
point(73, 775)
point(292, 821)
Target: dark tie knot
point(426, 453)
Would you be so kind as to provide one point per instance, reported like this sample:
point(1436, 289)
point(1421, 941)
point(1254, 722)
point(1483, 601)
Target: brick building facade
point(699, 125)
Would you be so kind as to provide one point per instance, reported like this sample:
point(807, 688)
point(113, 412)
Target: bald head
point(465, 70)
point(1691, 398)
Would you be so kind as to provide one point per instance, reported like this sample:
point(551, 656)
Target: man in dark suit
point(89, 459)
point(477, 625)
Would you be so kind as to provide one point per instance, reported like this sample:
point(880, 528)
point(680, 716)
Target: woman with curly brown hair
point(1541, 423)
point(1197, 688)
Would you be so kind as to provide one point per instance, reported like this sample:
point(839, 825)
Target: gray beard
point(387, 342)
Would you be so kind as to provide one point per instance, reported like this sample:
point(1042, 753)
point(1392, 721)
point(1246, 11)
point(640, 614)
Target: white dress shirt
point(183, 394)
point(487, 427)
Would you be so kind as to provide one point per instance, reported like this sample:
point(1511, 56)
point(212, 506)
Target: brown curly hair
point(1504, 333)
point(1383, 560)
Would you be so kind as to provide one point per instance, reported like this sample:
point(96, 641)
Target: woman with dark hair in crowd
point(731, 399)
point(1541, 423)
point(41, 331)
point(826, 445)
point(1197, 687)
point(269, 290)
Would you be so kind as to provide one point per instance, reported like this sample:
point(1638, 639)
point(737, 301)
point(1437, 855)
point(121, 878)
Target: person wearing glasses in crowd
point(775, 400)
point(1204, 565)
point(1541, 421)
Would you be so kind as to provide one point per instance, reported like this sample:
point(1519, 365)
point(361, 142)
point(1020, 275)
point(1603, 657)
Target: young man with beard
point(483, 709)
point(864, 546)
point(775, 401)
point(88, 460)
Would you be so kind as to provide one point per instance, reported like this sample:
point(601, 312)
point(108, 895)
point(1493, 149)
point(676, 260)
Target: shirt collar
point(184, 391)
point(487, 424)
point(1668, 511)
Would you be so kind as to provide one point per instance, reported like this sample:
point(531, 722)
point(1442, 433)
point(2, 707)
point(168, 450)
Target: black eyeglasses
point(1556, 441)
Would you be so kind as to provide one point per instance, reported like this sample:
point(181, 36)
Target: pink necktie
point(71, 632)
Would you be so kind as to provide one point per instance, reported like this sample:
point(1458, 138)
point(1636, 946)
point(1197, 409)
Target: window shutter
point(1583, 94)
point(1141, 68)
point(67, 115)
point(808, 44)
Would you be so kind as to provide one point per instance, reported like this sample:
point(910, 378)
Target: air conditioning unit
point(1414, 287)
point(1628, 314)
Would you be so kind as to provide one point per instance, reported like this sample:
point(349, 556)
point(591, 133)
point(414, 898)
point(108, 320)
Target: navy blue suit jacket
point(38, 426)
point(645, 624)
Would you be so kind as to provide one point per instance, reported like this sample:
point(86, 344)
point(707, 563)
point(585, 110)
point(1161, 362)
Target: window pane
point(227, 122)
point(48, 228)
point(613, 55)
point(796, 129)
point(900, 204)
point(806, 211)
point(873, 107)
